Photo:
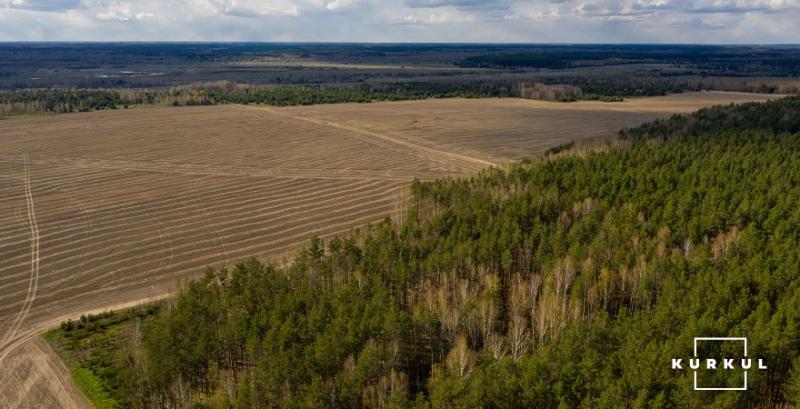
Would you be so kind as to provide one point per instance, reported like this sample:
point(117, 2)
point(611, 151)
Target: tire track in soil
point(33, 283)
point(231, 171)
point(426, 152)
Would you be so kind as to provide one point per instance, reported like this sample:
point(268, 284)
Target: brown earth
point(501, 129)
point(108, 209)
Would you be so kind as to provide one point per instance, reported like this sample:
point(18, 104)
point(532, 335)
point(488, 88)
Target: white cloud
point(752, 21)
point(122, 13)
point(254, 8)
point(438, 16)
point(43, 5)
point(342, 4)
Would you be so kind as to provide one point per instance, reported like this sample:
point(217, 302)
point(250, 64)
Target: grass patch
point(92, 348)
point(51, 336)
point(92, 388)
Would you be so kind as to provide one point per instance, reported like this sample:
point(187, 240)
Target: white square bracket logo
point(694, 372)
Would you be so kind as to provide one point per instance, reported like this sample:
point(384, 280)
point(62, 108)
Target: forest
point(77, 77)
point(710, 59)
point(64, 100)
point(570, 281)
point(37, 101)
point(223, 92)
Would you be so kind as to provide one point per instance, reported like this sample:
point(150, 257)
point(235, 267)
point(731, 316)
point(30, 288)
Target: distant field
point(503, 129)
point(104, 209)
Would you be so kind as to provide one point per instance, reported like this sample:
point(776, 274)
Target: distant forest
point(37, 101)
point(75, 77)
point(567, 282)
point(84, 100)
point(711, 60)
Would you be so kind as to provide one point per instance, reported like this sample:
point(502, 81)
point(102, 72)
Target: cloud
point(449, 16)
point(248, 8)
point(456, 3)
point(649, 7)
point(44, 5)
point(697, 21)
point(342, 4)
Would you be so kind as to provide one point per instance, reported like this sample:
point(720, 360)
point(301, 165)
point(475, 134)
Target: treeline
point(83, 100)
point(614, 89)
point(566, 89)
point(779, 116)
point(569, 89)
point(547, 92)
point(557, 59)
point(711, 60)
point(58, 101)
point(567, 283)
point(663, 85)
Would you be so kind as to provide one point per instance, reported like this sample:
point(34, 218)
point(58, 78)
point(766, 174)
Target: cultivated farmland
point(503, 129)
point(106, 209)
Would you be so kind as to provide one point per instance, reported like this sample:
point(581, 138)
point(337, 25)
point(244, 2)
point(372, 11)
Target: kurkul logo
point(698, 363)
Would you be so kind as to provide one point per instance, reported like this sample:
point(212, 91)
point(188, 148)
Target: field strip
point(181, 271)
point(203, 210)
point(33, 282)
point(258, 239)
point(257, 216)
point(192, 169)
point(258, 245)
point(264, 203)
point(426, 152)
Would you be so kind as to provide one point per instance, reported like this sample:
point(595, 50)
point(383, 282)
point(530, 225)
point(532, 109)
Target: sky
point(488, 21)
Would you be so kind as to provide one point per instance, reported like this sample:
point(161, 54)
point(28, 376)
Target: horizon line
point(396, 43)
